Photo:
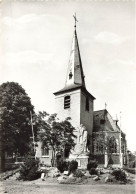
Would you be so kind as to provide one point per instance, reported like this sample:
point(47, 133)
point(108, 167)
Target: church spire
point(75, 75)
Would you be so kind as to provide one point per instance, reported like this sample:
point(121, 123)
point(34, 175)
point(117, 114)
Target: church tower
point(74, 100)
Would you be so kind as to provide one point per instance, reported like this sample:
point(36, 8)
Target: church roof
point(104, 122)
point(73, 87)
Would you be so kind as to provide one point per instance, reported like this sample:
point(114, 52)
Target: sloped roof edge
point(72, 88)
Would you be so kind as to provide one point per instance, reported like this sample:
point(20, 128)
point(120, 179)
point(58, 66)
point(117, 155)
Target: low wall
point(114, 160)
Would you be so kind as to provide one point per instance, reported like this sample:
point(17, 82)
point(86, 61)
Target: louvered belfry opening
point(66, 102)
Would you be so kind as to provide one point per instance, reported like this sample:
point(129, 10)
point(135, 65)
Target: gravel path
point(48, 187)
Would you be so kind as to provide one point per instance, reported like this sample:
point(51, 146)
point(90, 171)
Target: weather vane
point(75, 20)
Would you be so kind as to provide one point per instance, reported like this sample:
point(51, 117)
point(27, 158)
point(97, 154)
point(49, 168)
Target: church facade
point(105, 141)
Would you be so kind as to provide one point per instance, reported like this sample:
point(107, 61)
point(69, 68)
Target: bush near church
point(30, 170)
point(73, 165)
point(78, 173)
point(91, 167)
point(92, 164)
point(70, 166)
point(62, 166)
point(119, 175)
point(93, 171)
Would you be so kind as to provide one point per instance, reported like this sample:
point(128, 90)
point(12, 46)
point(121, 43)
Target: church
point(105, 141)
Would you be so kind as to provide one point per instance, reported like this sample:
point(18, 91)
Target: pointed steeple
point(75, 75)
point(75, 78)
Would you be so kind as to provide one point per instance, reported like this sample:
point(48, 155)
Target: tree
point(54, 134)
point(15, 107)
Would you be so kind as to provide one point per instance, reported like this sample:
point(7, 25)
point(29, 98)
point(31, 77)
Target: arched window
point(99, 147)
point(66, 102)
point(112, 145)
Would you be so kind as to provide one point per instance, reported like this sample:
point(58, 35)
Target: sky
point(36, 38)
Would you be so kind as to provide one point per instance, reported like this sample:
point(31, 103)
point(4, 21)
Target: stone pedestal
point(81, 159)
point(80, 153)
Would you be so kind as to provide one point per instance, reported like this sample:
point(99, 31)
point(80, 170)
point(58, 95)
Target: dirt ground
point(50, 186)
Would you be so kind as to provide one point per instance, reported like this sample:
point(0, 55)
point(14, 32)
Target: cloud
point(24, 19)
point(31, 32)
point(29, 66)
point(109, 38)
point(27, 56)
point(27, 60)
point(29, 18)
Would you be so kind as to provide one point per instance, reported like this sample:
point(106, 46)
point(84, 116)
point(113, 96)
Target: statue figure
point(85, 140)
point(82, 137)
point(80, 151)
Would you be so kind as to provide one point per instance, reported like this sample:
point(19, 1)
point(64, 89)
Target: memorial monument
point(80, 151)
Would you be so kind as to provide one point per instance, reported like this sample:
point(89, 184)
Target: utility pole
point(120, 144)
point(32, 130)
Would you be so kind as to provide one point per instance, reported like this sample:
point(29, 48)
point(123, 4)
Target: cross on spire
point(75, 20)
point(105, 105)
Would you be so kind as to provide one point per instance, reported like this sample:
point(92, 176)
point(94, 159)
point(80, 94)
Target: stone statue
point(80, 152)
point(82, 137)
point(85, 140)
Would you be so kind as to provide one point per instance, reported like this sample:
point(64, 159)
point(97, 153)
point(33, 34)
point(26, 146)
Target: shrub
point(78, 173)
point(92, 164)
point(93, 171)
point(62, 166)
point(72, 166)
point(119, 175)
point(29, 170)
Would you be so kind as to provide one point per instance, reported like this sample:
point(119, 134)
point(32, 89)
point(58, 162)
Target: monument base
point(81, 159)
